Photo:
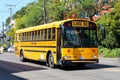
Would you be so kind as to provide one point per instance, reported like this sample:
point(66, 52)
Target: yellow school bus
point(65, 42)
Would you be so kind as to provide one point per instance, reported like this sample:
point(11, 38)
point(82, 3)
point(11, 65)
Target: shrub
point(105, 52)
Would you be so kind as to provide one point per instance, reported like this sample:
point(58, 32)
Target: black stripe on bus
point(36, 51)
point(41, 46)
point(36, 40)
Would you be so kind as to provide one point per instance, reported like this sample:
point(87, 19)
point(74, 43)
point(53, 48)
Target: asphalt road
point(12, 69)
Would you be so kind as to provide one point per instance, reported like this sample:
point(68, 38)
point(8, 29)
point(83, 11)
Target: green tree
point(111, 23)
point(88, 8)
point(31, 16)
point(55, 11)
point(11, 33)
point(61, 9)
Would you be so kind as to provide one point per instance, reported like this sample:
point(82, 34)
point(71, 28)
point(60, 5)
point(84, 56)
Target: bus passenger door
point(58, 44)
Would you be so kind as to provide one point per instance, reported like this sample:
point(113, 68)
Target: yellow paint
point(76, 53)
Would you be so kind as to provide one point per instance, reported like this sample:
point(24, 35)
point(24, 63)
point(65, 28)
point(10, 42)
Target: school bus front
point(79, 42)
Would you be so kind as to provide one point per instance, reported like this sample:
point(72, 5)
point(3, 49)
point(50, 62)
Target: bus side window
point(35, 35)
point(28, 35)
point(49, 34)
point(22, 36)
point(25, 36)
point(32, 35)
point(38, 35)
point(41, 34)
point(45, 34)
point(53, 33)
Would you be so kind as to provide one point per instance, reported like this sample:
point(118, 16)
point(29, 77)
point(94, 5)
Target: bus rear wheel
point(51, 61)
point(22, 57)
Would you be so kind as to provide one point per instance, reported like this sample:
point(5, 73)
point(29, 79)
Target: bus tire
point(51, 61)
point(22, 56)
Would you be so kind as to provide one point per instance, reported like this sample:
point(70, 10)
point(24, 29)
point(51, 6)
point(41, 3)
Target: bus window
point(25, 37)
point(32, 35)
point(45, 34)
point(38, 35)
point(22, 36)
point(28, 35)
point(41, 34)
point(53, 33)
point(49, 34)
point(35, 35)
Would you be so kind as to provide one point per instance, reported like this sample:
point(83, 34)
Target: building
point(103, 8)
point(9, 38)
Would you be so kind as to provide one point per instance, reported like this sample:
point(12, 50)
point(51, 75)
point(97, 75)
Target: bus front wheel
point(51, 61)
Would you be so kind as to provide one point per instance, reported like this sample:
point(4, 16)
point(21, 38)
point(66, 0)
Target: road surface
point(12, 69)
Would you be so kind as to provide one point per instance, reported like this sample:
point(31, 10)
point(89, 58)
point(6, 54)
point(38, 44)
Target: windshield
point(79, 37)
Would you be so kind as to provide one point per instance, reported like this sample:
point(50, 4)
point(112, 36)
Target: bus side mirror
point(62, 29)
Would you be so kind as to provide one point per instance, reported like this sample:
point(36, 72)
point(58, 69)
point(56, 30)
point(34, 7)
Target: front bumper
point(72, 62)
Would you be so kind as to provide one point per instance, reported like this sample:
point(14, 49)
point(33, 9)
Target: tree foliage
point(111, 22)
point(32, 16)
point(11, 33)
point(33, 13)
point(88, 7)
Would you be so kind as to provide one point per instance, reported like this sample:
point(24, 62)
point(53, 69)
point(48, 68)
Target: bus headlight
point(94, 57)
point(66, 57)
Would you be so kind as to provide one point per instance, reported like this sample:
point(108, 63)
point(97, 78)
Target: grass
point(105, 52)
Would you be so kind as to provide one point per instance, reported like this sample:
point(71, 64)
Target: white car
point(11, 49)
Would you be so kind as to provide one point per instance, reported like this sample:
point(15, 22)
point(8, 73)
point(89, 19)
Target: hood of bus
point(79, 53)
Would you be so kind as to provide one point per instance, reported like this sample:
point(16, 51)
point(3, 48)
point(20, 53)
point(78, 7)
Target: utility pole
point(11, 10)
point(44, 11)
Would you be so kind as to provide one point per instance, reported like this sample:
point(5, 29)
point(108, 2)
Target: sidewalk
point(111, 61)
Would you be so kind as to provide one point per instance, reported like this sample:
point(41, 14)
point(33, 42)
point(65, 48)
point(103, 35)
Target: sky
point(5, 9)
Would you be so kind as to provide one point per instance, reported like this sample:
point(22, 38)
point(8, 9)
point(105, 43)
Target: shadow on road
point(5, 75)
point(17, 67)
point(7, 68)
point(87, 67)
point(70, 68)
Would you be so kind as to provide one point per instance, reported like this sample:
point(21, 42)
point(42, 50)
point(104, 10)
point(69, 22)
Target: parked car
point(11, 49)
point(6, 48)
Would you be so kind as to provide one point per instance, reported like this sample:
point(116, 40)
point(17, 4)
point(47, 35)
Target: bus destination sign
point(80, 23)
